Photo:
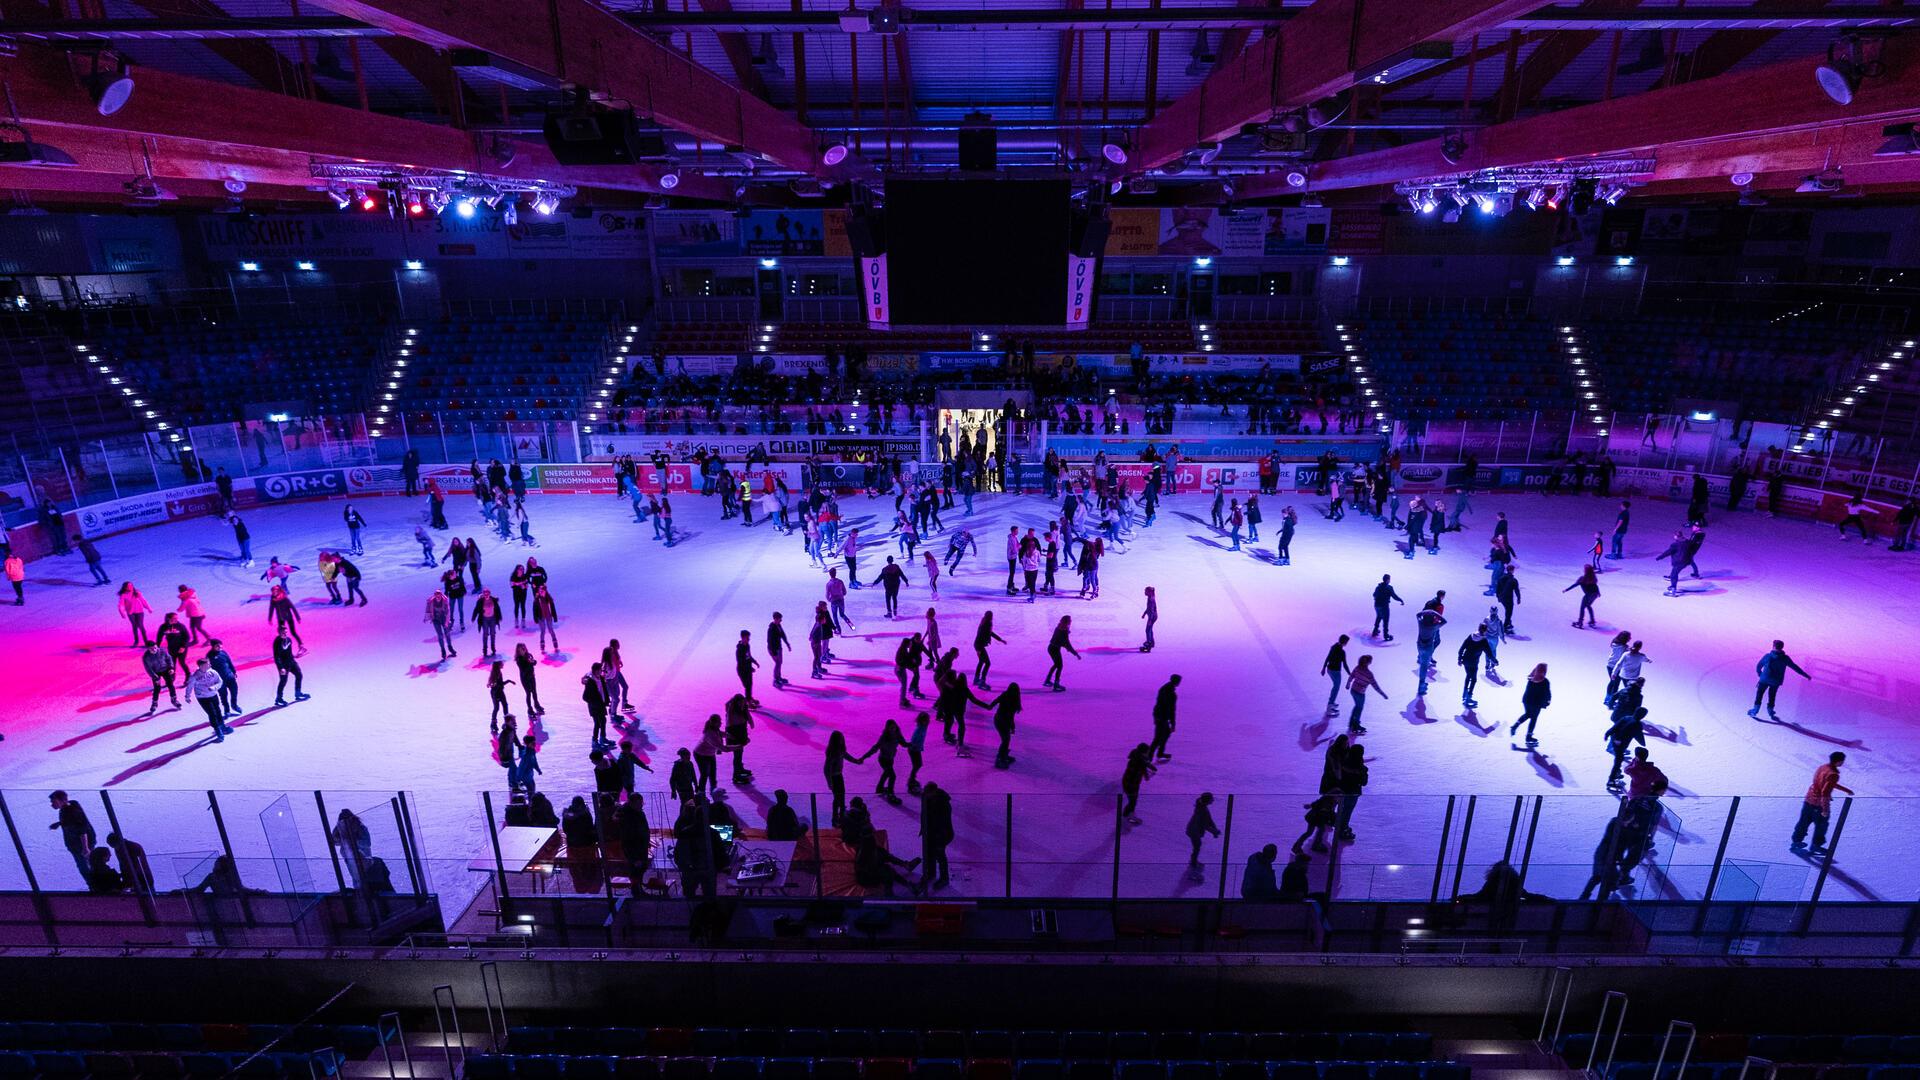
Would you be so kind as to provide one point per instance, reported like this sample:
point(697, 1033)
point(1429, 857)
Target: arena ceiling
point(1208, 101)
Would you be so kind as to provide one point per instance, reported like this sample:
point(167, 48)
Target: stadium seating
point(505, 368)
point(46, 391)
point(1721, 1056)
point(1774, 371)
point(209, 372)
point(1468, 367)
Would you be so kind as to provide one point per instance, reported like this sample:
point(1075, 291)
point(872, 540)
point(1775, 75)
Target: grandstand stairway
point(1878, 395)
point(1505, 1059)
point(46, 390)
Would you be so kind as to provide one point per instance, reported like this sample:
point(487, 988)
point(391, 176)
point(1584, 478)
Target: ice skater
point(777, 646)
point(890, 578)
point(1358, 684)
point(196, 614)
point(1508, 593)
point(906, 667)
point(744, 665)
point(1382, 615)
point(982, 637)
point(529, 685)
point(1676, 556)
point(487, 617)
point(1336, 668)
point(1151, 615)
point(1283, 546)
point(426, 547)
point(1427, 639)
point(1472, 651)
point(161, 670)
point(1537, 695)
point(440, 616)
point(1005, 708)
point(1772, 670)
point(1589, 587)
point(497, 683)
point(1818, 805)
point(1200, 825)
point(546, 616)
point(134, 608)
point(1060, 642)
point(1623, 669)
point(1620, 522)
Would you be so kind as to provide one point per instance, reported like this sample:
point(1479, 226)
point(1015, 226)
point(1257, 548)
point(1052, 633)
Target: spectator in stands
point(1258, 882)
point(135, 870)
point(223, 879)
point(55, 526)
point(76, 832)
point(100, 874)
point(1503, 894)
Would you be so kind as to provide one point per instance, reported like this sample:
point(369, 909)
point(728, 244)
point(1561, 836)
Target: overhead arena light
point(1115, 153)
point(340, 198)
point(1207, 153)
point(1296, 178)
point(1406, 62)
point(835, 154)
point(1839, 78)
point(1536, 198)
point(670, 180)
point(366, 200)
point(545, 203)
point(110, 90)
point(465, 207)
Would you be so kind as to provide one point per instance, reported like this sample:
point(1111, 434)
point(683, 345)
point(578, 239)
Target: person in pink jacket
point(196, 615)
point(135, 609)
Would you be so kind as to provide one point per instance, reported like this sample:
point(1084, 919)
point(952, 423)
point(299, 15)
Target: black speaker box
point(867, 233)
point(600, 138)
point(979, 149)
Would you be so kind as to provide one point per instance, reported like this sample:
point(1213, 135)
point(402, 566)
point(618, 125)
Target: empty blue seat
point(1037, 1044)
point(896, 1043)
point(1366, 1046)
point(636, 1068)
point(59, 1063)
point(990, 1044)
point(530, 1038)
point(1131, 1044)
point(936, 1069)
point(1396, 1070)
point(1346, 1070)
point(1410, 1046)
point(1270, 1046)
point(1141, 1070)
point(1223, 1046)
point(626, 1041)
point(1293, 1070)
point(39, 1034)
point(836, 1068)
point(1089, 1069)
point(684, 1068)
point(1905, 1050)
point(16, 1063)
point(589, 1067)
point(787, 1068)
point(89, 1036)
point(943, 1044)
point(1244, 1070)
point(1193, 1070)
point(804, 1042)
point(1448, 1070)
point(850, 1042)
point(107, 1065)
point(152, 1066)
point(538, 1067)
point(714, 1041)
point(1039, 1069)
point(736, 1068)
point(1085, 1044)
point(488, 1067)
point(755, 1042)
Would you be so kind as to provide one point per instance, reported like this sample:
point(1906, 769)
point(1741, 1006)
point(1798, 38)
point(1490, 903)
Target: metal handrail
point(1685, 1055)
point(440, 1019)
point(399, 1037)
point(1563, 988)
point(496, 999)
point(1606, 1006)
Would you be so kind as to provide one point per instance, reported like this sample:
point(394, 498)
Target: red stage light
point(368, 202)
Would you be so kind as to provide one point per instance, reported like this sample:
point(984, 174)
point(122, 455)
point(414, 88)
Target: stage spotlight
point(1558, 197)
point(1840, 76)
point(1536, 198)
point(1429, 202)
point(545, 203)
point(1484, 202)
point(1453, 147)
point(110, 92)
point(1611, 194)
point(437, 201)
point(510, 214)
point(1115, 153)
point(1413, 201)
point(1296, 178)
point(670, 180)
point(340, 198)
point(465, 207)
point(367, 200)
point(835, 154)
point(414, 206)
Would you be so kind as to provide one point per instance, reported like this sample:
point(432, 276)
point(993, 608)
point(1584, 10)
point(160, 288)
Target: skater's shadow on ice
point(1208, 542)
point(1676, 736)
point(1416, 713)
point(1121, 649)
point(555, 659)
point(1270, 558)
point(1471, 721)
point(128, 698)
point(1314, 735)
point(1851, 744)
point(103, 730)
point(1545, 767)
point(827, 693)
point(156, 762)
point(418, 671)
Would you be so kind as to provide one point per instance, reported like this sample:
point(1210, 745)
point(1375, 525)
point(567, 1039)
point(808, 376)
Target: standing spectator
point(76, 832)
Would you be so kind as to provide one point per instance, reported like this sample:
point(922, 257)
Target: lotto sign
point(318, 484)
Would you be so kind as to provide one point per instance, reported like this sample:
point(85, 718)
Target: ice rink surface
point(1247, 636)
